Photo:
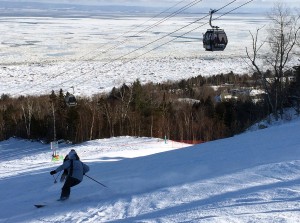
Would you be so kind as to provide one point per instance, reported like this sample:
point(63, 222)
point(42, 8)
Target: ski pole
point(55, 178)
point(95, 180)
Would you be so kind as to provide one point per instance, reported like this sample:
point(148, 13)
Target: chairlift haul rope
point(119, 44)
point(169, 34)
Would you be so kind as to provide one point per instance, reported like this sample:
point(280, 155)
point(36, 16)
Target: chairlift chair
point(214, 39)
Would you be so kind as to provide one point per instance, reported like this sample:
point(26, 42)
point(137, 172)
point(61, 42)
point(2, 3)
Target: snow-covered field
point(94, 54)
point(252, 177)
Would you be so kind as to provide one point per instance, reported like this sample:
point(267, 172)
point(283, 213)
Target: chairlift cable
point(173, 14)
point(190, 31)
point(116, 59)
point(160, 39)
point(146, 29)
point(140, 25)
point(186, 32)
point(120, 57)
point(159, 22)
point(157, 15)
point(183, 34)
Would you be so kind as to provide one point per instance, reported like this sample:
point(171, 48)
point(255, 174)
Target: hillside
point(252, 177)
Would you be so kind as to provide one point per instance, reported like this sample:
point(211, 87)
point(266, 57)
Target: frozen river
point(94, 54)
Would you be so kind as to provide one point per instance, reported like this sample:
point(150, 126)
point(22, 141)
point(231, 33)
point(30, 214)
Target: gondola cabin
point(215, 40)
point(70, 100)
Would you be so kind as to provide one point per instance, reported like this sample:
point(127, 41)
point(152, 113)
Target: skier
point(65, 173)
point(76, 170)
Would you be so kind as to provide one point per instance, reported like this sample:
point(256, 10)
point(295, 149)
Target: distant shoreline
point(63, 10)
point(101, 14)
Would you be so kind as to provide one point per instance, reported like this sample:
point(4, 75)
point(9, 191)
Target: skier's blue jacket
point(78, 170)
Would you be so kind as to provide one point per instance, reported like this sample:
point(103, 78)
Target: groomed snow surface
point(251, 177)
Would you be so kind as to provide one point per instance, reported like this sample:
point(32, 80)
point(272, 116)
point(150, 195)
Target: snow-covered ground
point(94, 54)
point(252, 177)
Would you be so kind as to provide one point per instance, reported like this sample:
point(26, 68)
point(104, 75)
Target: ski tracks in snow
point(247, 194)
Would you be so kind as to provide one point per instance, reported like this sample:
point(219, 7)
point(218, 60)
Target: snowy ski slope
point(252, 177)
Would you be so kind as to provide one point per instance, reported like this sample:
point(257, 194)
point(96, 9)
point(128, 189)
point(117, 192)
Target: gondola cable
point(183, 34)
point(164, 37)
point(120, 57)
point(114, 47)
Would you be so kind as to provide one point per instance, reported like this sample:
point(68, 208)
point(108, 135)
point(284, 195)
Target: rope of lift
point(123, 56)
point(120, 57)
point(61, 83)
point(119, 44)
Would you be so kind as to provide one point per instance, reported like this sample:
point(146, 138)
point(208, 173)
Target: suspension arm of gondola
point(211, 12)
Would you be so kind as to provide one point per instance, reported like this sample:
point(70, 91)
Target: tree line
point(185, 110)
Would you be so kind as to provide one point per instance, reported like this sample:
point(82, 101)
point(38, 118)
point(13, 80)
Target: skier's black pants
point(66, 189)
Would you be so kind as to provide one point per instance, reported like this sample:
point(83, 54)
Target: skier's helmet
point(72, 154)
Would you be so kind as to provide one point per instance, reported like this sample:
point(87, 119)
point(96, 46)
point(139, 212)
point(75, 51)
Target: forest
point(186, 110)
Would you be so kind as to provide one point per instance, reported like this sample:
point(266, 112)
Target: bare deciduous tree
point(283, 33)
point(27, 114)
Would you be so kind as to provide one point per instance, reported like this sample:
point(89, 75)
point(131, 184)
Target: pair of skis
point(44, 205)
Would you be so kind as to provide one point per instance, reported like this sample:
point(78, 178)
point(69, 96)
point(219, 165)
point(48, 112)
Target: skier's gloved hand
point(52, 172)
